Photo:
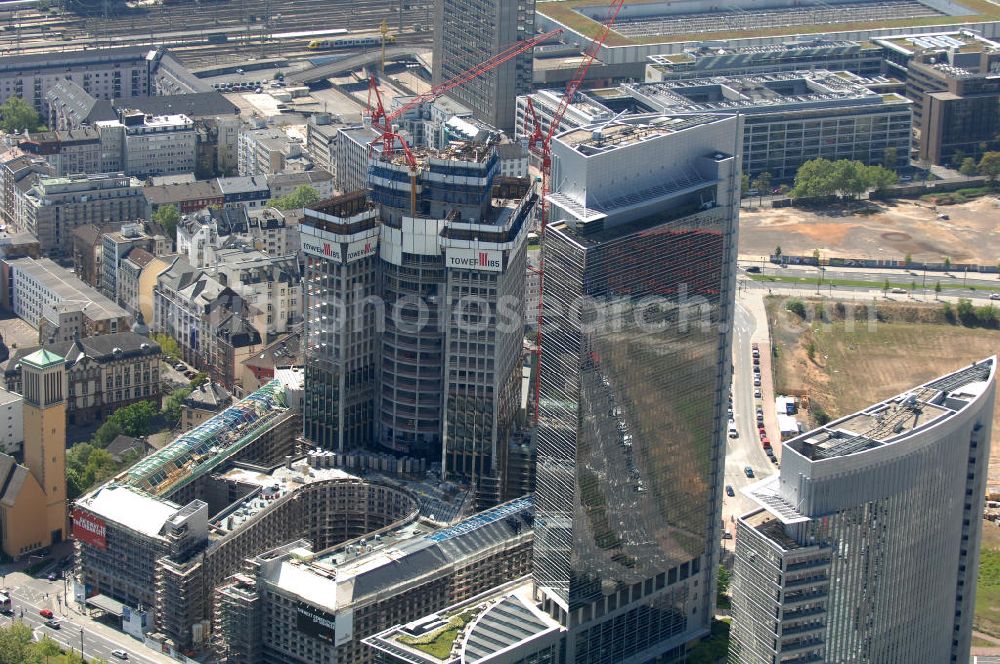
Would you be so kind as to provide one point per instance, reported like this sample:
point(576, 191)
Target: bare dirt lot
point(971, 235)
point(853, 368)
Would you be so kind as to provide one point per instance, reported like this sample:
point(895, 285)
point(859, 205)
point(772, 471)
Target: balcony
point(794, 598)
point(800, 646)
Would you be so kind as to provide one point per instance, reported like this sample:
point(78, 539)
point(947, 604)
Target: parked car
point(191, 373)
point(901, 291)
point(730, 491)
point(52, 576)
point(753, 269)
point(756, 380)
point(45, 613)
point(995, 296)
point(756, 393)
point(749, 471)
point(727, 535)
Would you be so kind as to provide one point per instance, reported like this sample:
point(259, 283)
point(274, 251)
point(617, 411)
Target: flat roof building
point(866, 544)
point(803, 53)
point(40, 287)
point(317, 607)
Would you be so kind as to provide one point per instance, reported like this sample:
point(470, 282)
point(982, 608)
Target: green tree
point(957, 158)
point(762, 183)
point(744, 184)
point(987, 315)
point(937, 288)
point(15, 643)
point(968, 167)
point(87, 466)
point(814, 179)
point(817, 256)
point(878, 177)
point(17, 115)
point(168, 346)
point(965, 311)
point(947, 264)
point(890, 158)
point(132, 420)
point(811, 350)
point(777, 252)
point(168, 216)
point(908, 260)
point(885, 287)
point(724, 580)
point(989, 166)
point(172, 405)
point(303, 196)
point(797, 307)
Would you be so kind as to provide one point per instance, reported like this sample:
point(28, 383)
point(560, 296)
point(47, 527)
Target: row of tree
point(18, 647)
point(16, 115)
point(821, 178)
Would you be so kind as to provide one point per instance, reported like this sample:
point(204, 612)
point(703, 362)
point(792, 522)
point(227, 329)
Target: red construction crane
point(382, 121)
point(540, 143)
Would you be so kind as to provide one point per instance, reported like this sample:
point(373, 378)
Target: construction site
point(159, 537)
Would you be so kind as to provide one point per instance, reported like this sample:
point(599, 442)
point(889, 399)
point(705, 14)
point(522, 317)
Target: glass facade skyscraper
point(865, 547)
point(639, 266)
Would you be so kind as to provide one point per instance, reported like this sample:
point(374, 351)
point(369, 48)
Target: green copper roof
point(42, 359)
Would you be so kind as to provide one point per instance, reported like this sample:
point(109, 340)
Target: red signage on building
point(89, 529)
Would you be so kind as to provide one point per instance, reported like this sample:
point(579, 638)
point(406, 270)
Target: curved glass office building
point(866, 545)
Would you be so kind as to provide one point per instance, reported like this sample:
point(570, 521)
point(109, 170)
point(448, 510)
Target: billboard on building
point(315, 624)
point(474, 259)
point(89, 529)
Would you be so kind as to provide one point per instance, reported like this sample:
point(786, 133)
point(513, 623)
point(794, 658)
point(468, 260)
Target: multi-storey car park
point(163, 534)
point(865, 546)
point(662, 27)
point(293, 606)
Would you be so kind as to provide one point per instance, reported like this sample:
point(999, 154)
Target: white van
point(733, 433)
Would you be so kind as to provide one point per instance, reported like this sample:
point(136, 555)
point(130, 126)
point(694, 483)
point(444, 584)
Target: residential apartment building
point(266, 151)
point(205, 402)
point(53, 300)
point(354, 148)
point(88, 251)
point(261, 617)
point(466, 32)
point(187, 197)
point(154, 145)
point(321, 140)
point(54, 207)
point(249, 192)
point(104, 373)
point(72, 107)
point(102, 73)
point(463, 237)
point(11, 422)
point(129, 283)
point(282, 184)
point(69, 151)
point(630, 438)
point(116, 245)
point(865, 545)
point(17, 167)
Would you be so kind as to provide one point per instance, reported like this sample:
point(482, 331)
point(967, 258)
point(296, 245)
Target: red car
point(762, 432)
point(765, 443)
point(45, 613)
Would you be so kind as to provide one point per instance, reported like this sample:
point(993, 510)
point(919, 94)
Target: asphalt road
point(746, 449)
point(959, 281)
point(32, 595)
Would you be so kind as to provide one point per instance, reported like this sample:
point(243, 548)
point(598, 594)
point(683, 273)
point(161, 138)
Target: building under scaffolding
point(293, 605)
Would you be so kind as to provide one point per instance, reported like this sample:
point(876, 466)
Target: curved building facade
point(866, 545)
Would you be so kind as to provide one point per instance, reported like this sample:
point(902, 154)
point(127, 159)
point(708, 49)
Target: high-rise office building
point(640, 259)
point(467, 32)
point(414, 324)
point(865, 547)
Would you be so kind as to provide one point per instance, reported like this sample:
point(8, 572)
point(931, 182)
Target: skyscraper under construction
point(414, 292)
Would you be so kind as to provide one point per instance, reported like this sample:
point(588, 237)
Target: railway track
point(244, 21)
